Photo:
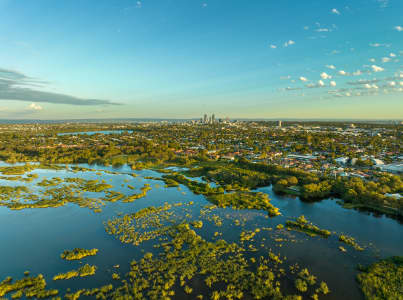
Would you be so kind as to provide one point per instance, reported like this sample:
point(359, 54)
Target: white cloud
point(371, 86)
point(306, 27)
point(383, 3)
point(380, 45)
point(335, 11)
point(357, 73)
point(273, 46)
point(289, 43)
point(392, 83)
point(333, 83)
point(292, 89)
point(303, 79)
point(344, 73)
point(399, 28)
point(401, 83)
point(325, 76)
point(385, 59)
point(392, 55)
point(372, 59)
point(35, 107)
point(377, 69)
point(321, 83)
point(331, 67)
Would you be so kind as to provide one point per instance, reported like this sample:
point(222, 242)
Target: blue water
point(96, 132)
point(33, 239)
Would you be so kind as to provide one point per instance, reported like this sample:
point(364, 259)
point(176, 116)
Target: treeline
point(353, 190)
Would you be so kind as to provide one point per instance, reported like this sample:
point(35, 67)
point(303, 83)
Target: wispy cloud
point(292, 89)
point(289, 43)
point(35, 107)
point(324, 75)
point(379, 45)
point(335, 11)
point(383, 3)
point(17, 86)
point(399, 28)
point(377, 68)
point(359, 82)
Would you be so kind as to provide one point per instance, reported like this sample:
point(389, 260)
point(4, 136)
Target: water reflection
point(33, 239)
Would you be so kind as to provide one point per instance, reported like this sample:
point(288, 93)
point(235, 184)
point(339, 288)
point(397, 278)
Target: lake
point(33, 239)
point(96, 132)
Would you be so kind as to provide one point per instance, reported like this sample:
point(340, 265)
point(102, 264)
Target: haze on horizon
point(181, 59)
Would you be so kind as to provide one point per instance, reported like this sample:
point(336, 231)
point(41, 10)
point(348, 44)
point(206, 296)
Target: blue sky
point(184, 58)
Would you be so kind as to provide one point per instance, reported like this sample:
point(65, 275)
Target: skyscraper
point(279, 123)
point(205, 119)
point(213, 119)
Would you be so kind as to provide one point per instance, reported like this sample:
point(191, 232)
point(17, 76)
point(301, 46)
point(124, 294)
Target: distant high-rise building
point(213, 119)
point(205, 119)
point(279, 123)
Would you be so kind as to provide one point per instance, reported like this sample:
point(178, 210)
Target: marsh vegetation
point(383, 279)
point(226, 243)
point(78, 253)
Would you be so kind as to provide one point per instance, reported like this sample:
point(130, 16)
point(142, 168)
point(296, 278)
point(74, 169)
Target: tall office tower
point(279, 123)
point(205, 119)
point(213, 119)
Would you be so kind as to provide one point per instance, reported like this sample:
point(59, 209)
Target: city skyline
point(173, 59)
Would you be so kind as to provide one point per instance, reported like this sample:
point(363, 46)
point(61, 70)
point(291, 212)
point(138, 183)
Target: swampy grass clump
point(86, 270)
point(245, 200)
point(303, 225)
point(146, 224)
point(57, 192)
point(95, 293)
point(78, 253)
point(17, 170)
point(186, 257)
point(350, 241)
point(196, 187)
point(383, 279)
point(142, 194)
point(197, 224)
point(29, 287)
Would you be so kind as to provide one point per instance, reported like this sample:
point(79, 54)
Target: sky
point(333, 59)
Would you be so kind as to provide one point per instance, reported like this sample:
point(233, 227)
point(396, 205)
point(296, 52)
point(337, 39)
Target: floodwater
point(33, 239)
point(96, 132)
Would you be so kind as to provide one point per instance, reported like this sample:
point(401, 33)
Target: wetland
point(91, 231)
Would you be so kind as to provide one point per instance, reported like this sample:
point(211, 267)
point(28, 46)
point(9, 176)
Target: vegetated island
point(383, 279)
point(86, 270)
point(78, 253)
point(303, 225)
